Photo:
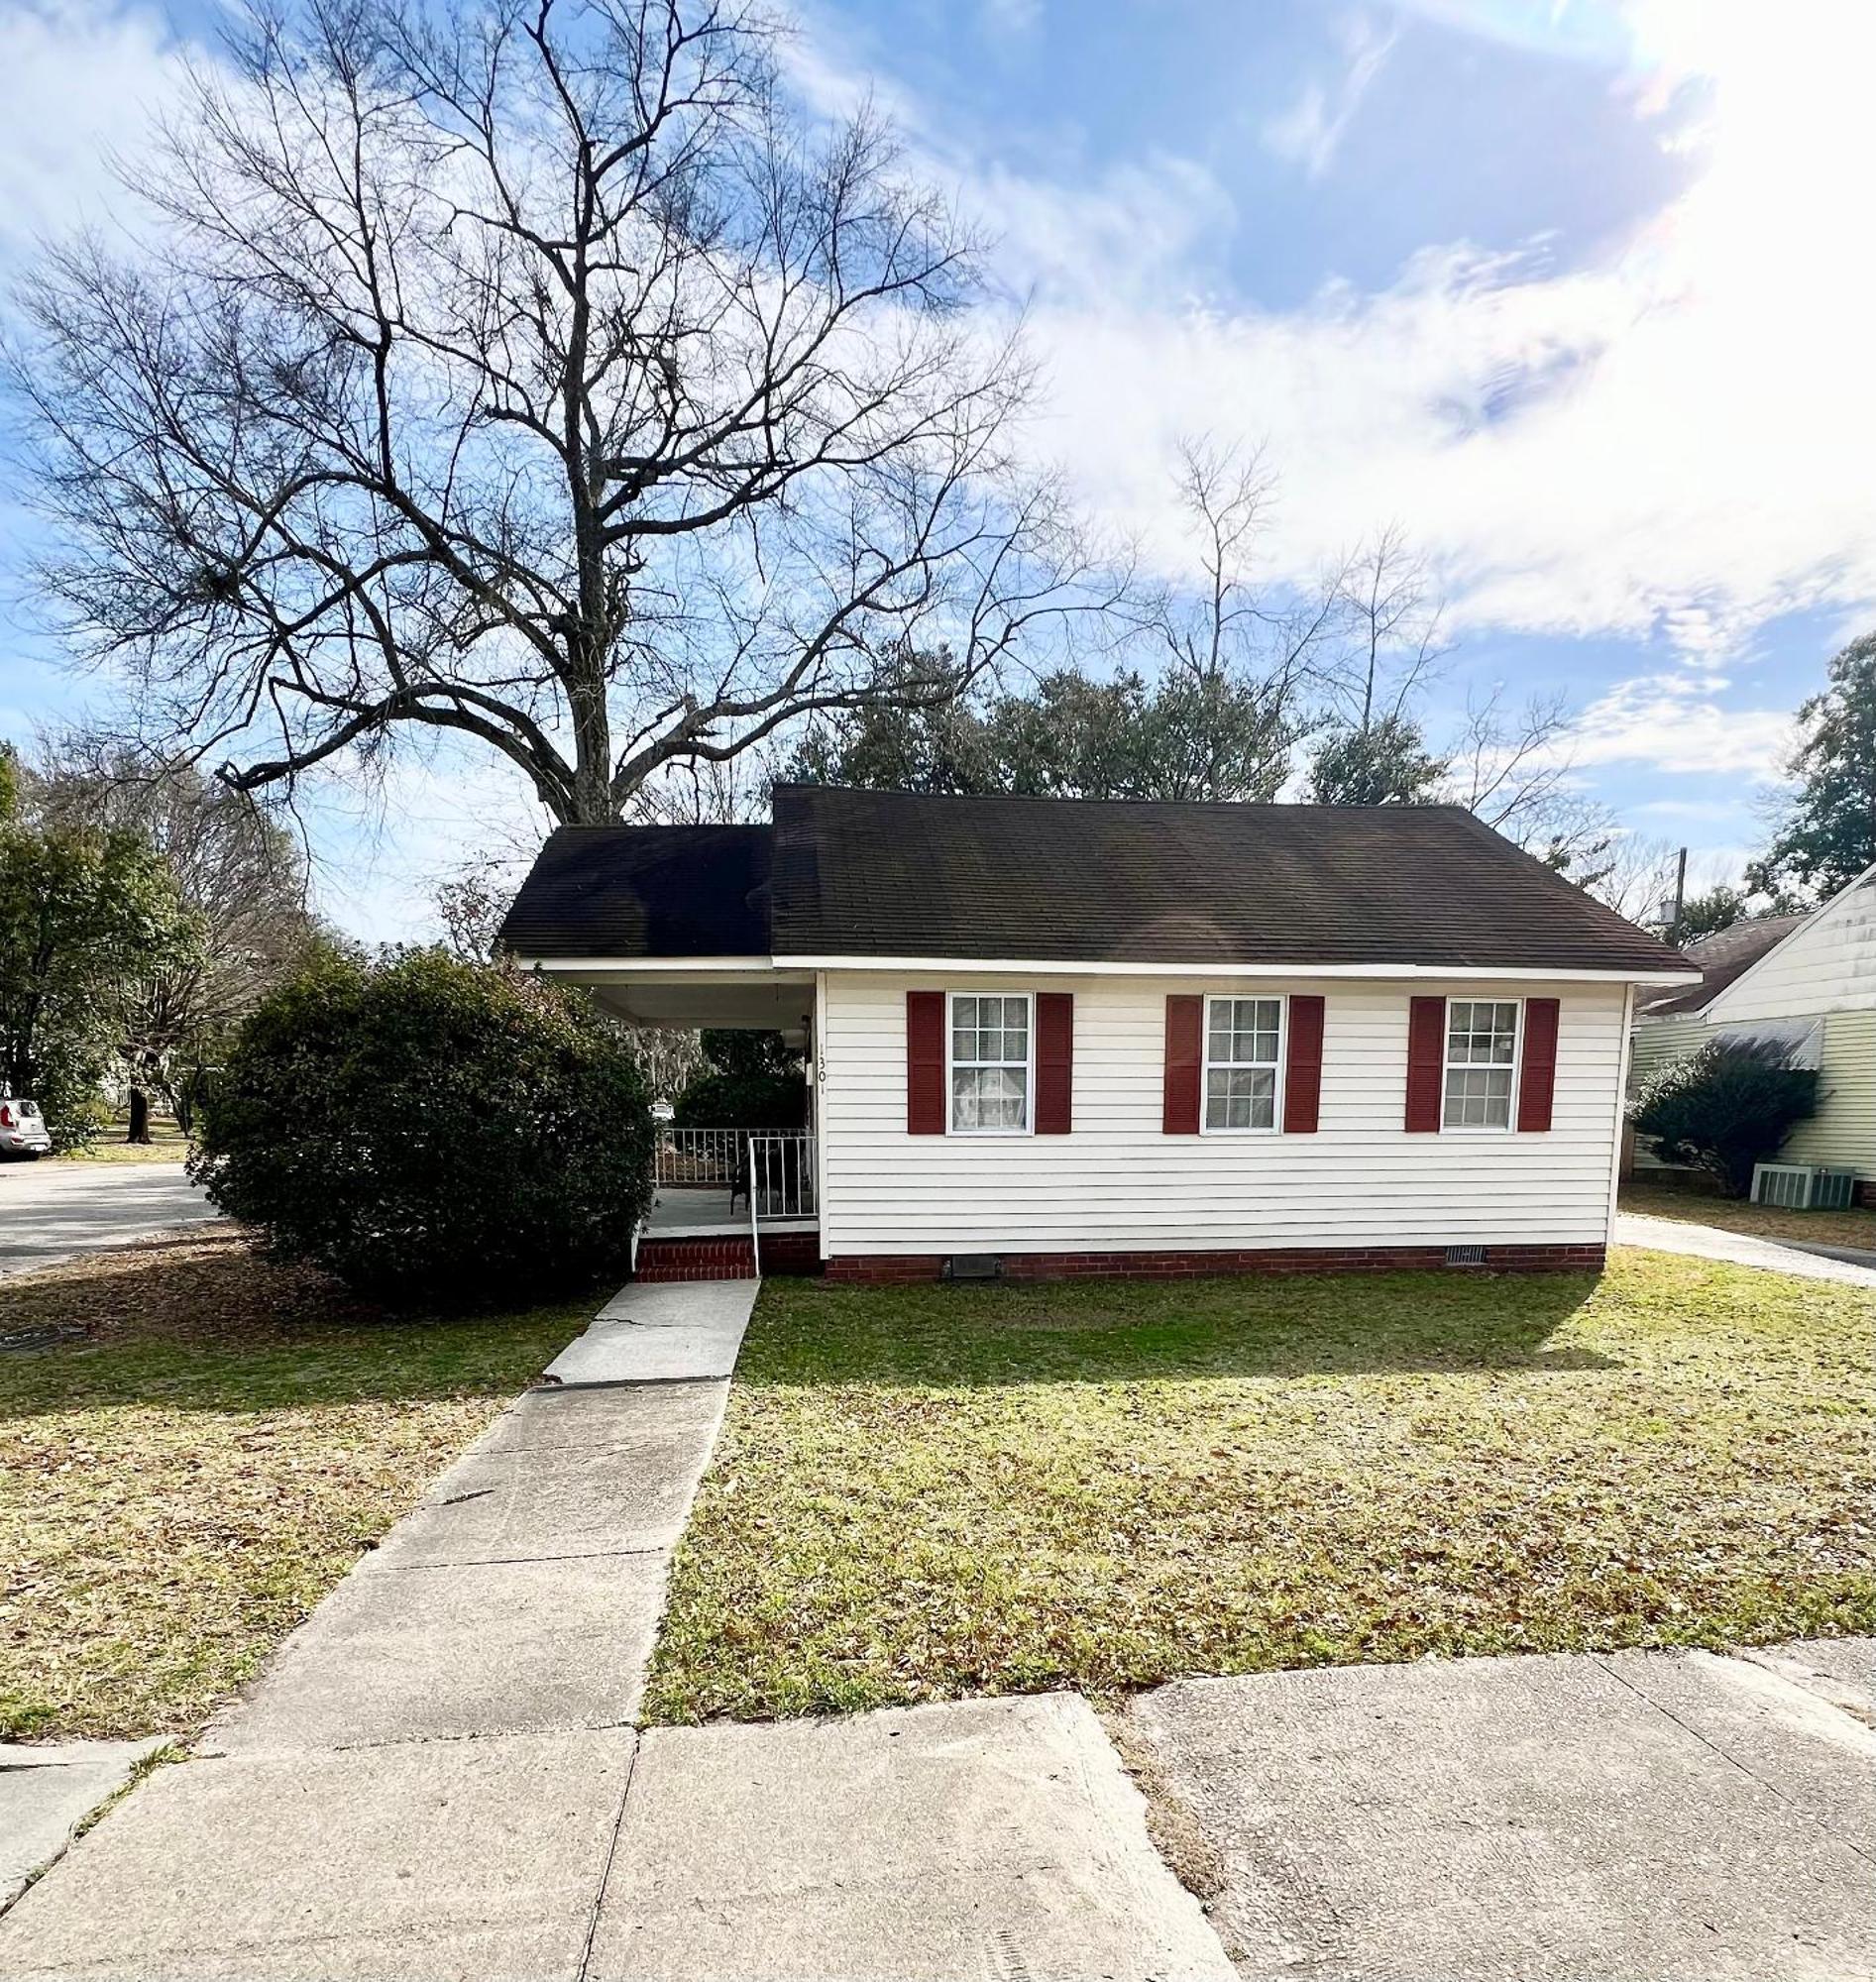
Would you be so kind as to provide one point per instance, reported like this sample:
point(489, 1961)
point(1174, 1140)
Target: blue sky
point(1565, 290)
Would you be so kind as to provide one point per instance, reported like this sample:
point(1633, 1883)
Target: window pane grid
point(1242, 1046)
point(1480, 1052)
point(990, 1052)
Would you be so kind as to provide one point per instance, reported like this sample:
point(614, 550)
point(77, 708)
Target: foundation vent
point(973, 1266)
point(1465, 1255)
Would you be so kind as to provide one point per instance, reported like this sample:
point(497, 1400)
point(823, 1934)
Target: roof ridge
point(1067, 798)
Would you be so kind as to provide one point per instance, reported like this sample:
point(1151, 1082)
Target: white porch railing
point(781, 1173)
point(774, 1169)
point(701, 1156)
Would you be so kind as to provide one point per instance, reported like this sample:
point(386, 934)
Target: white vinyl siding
point(1661, 1042)
point(1118, 1184)
point(1826, 965)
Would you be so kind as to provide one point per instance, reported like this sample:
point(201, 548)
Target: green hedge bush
point(1725, 1108)
point(748, 1080)
point(432, 1130)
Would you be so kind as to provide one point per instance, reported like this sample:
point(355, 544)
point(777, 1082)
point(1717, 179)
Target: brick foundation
point(1864, 1193)
point(878, 1268)
point(791, 1254)
point(727, 1258)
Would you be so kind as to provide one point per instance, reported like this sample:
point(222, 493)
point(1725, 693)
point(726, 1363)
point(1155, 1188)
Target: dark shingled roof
point(1722, 959)
point(1070, 880)
point(892, 874)
point(645, 891)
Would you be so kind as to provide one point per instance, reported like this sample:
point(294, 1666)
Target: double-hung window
point(990, 1063)
point(1243, 1038)
point(1481, 1062)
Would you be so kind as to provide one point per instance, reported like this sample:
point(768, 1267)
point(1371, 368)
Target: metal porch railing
point(774, 1170)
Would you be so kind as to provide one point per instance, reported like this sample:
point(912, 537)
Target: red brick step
point(724, 1258)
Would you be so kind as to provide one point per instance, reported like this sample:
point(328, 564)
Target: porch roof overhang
point(729, 992)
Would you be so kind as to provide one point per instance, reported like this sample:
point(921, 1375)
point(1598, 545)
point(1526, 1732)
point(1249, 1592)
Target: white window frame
point(1206, 1064)
point(951, 1040)
point(1516, 1069)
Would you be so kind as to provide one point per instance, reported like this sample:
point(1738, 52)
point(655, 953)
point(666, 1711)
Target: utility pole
point(1679, 888)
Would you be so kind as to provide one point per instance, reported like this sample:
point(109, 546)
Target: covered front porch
point(723, 1194)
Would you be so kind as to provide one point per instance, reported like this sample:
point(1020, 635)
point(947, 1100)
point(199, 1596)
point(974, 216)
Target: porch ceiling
point(783, 1006)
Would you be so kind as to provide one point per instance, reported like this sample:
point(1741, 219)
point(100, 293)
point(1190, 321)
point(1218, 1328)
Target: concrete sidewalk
point(665, 1332)
point(1739, 1248)
point(48, 1788)
point(1685, 1817)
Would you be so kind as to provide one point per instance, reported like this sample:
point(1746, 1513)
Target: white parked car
point(23, 1131)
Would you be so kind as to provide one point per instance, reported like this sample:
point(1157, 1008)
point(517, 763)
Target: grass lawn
point(922, 1493)
point(182, 1484)
point(167, 1145)
point(1761, 1221)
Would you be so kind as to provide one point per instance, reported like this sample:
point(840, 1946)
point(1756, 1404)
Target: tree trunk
point(139, 1130)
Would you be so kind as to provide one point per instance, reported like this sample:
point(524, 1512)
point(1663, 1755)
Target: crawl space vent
point(973, 1266)
point(1465, 1255)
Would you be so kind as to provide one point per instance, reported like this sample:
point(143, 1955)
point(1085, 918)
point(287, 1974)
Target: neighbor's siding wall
point(1660, 1042)
point(1842, 1133)
point(1117, 1183)
point(1828, 966)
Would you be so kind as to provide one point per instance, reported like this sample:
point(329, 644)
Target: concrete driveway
point(1739, 1248)
point(52, 1211)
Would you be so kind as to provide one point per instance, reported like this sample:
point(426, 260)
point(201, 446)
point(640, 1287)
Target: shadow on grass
point(207, 1322)
point(1130, 1331)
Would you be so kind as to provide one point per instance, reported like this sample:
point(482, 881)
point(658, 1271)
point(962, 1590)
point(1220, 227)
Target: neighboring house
point(1807, 983)
point(1074, 1035)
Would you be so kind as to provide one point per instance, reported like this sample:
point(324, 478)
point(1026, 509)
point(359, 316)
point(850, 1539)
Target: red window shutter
point(1426, 1064)
point(1054, 1062)
point(1186, 1047)
point(1302, 1076)
point(1537, 1076)
point(925, 1063)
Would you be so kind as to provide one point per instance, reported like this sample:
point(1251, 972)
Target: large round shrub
point(1725, 1108)
point(432, 1129)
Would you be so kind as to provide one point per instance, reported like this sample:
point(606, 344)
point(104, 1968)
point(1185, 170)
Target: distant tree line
point(143, 911)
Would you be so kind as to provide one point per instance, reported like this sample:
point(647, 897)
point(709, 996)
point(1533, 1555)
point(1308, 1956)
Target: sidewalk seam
point(606, 1869)
point(1791, 1803)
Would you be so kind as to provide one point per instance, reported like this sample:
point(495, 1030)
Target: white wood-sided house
point(1807, 983)
point(1051, 1037)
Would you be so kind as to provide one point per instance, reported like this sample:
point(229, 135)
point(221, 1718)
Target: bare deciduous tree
point(1389, 633)
point(1239, 664)
point(1512, 766)
point(529, 373)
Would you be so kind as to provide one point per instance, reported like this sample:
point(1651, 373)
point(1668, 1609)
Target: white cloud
point(1674, 441)
point(1309, 131)
point(1009, 20)
point(79, 81)
point(1673, 723)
